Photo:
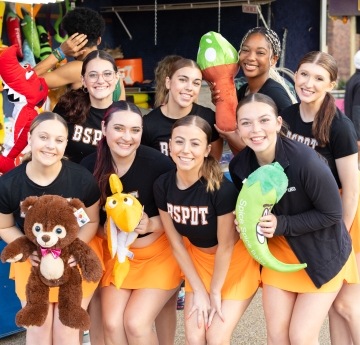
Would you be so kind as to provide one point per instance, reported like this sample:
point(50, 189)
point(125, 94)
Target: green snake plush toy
point(262, 189)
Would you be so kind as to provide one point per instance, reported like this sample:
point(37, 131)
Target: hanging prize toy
point(28, 7)
point(29, 58)
point(124, 213)
point(29, 30)
point(2, 123)
point(27, 91)
point(60, 35)
point(45, 49)
point(218, 61)
point(14, 32)
point(2, 11)
point(261, 190)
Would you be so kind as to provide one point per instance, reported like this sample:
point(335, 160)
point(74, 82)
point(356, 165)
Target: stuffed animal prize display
point(124, 213)
point(261, 190)
point(51, 227)
point(27, 91)
point(218, 61)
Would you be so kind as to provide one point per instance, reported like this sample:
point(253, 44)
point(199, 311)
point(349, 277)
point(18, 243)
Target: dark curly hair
point(84, 21)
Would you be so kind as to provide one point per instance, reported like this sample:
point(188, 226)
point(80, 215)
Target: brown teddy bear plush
point(51, 229)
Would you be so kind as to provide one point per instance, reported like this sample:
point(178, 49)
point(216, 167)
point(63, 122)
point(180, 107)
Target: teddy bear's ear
point(76, 204)
point(28, 203)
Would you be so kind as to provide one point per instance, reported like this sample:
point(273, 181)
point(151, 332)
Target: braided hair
point(274, 41)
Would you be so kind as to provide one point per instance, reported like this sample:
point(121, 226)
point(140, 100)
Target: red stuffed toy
point(27, 91)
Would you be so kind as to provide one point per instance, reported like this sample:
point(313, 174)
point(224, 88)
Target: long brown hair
point(76, 103)
point(327, 112)
point(210, 169)
point(45, 116)
point(105, 165)
point(161, 72)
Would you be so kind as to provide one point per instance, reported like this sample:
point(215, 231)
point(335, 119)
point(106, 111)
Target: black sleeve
point(236, 180)
point(320, 186)
point(91, 189)
point(159, 193)
point(225, 198)
point(280, 97)
point(355, 111)
point(145, 135)
point(343, 138)
point(241, 92)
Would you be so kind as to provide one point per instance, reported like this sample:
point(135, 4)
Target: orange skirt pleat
point(153, 267)
point(242, 279)
point(299, 281)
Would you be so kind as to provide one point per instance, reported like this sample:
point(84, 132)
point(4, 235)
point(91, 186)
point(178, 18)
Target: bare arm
point(347, 168)
point(201, 301)
point(216, 149)
point(8, 230)
point(123, 94)
point(88, 231)
point(226, 240)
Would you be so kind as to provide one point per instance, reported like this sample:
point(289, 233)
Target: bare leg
point(113, 304)
point(96, 328)
point(220, 332)
point(165, 322)
point(138, 325)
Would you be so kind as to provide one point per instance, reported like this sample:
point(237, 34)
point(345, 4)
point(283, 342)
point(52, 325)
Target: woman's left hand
point(72, 262)
point(268, 225)
point(142, 228)
point(215, 302)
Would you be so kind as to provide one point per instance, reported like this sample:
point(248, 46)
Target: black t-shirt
point(83, 139)
point(157, 127)
point(272, 89)
point(343, 140)
point(148, 165)
point(193, 210)
point(73, 181)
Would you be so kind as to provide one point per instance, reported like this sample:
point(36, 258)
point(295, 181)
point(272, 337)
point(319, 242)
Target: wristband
point(59, 55)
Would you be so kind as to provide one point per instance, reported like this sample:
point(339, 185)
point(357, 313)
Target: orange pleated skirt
point(20, 272)
point(299, 281)
point(242, 279)
point(153, 267)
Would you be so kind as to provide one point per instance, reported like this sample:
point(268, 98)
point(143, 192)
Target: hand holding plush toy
point(124, 214)
point(261, 190)
point(218, 61)
point(51, 229)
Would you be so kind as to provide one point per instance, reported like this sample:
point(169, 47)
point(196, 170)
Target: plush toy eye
point(37, 228)
point(112, 203)
point(28, 74)
point(58, 231)
point(128, 201)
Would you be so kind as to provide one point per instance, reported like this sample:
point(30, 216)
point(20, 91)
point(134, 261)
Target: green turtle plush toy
point(218, 61)
point(262, 189)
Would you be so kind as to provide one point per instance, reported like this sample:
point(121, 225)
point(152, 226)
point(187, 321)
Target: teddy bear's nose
point(45, 238)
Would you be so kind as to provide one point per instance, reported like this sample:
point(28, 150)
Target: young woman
point(259, 51)
point(196, 203)
point(154, 274)
point(85, 28)
point(183, 83)
point(84, 109)
point(306, 225)
point(47, 173)
point(318, 123)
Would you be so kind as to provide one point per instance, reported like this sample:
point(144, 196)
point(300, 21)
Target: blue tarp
point(9, 303)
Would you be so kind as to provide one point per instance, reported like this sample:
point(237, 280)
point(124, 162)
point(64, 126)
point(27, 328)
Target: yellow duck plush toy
point(124, 213)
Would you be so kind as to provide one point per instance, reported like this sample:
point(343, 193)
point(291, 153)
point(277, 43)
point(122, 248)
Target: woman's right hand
point(201, 304)
point(34, 259)
point(74, 44)
point(214, 93)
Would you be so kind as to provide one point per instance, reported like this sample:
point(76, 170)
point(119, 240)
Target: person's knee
point(215, 338)
point(136, 327)
point(345, 309)
point(301, 337)
point(65, 335)
point(110, 325)
point(194, 338)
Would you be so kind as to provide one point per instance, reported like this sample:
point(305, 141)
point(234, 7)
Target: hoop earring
point(85, 90)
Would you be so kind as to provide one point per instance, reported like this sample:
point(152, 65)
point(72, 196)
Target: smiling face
point(188, 148)
point(255, 56)
point(184, 86)
point(312, 82)
point(258, 126)
point(104, 86)
point(48, 142)
point(123, 133)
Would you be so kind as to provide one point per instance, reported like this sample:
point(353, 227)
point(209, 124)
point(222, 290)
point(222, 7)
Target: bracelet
point(59, 54)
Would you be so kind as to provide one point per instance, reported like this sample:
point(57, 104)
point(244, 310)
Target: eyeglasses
point(107, 76)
